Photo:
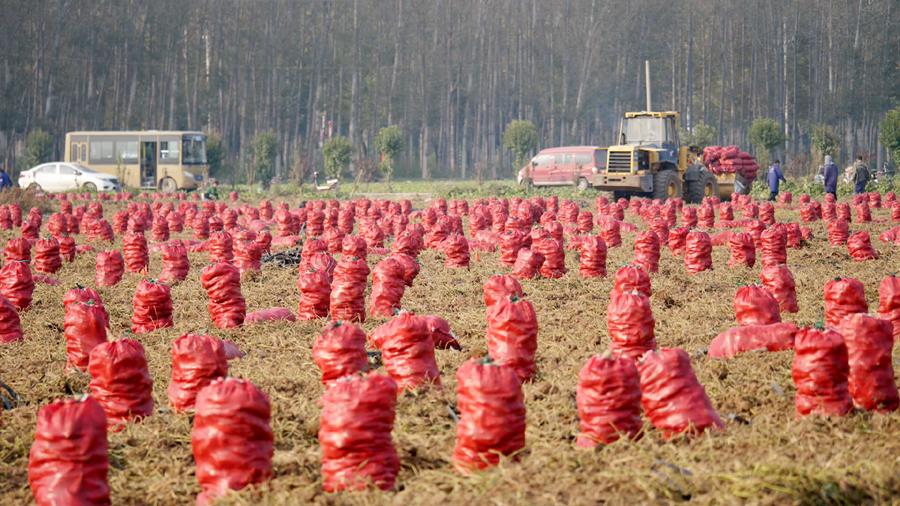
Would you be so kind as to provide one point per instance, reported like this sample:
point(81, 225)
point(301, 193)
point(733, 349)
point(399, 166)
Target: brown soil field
point(765, 455)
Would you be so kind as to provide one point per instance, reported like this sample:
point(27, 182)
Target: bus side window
point(84, 152)
point(169, 151)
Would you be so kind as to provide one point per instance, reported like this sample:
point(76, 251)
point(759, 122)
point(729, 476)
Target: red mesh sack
point(743, 250)
point(263, 242)
point(491, 415)
point(10, 324)
point(222, 282)
point(771, 337)
point(310, 248)
point(440, 332)
point(152, 305)
point(869, 344)
point(677, 239)
point(754, 305)
point(354, 247)
point(528, 264)
point(646, 251)
point(68, 461)
point(779, 281)
point(409, 267)
point(631, 278)
point(889, 302)
point(120, 381)
point(134, 246)
point(340, 350)
point(512, 330)
point(387, 288)
point(554, 264)
point(348, 289)
point(355, 433)
point(689, 217)
point(110, 268)
point(456, 251)
point(592, 257)
point(175, 263)
point(84, 327)
point(46, 255)
point(697, 252)
point(863, 213)
point(499, 287)
point(672, 397)
point(843, 296)
point(774, 246)
point(269, 315)
point(315, 294)
point(407, 351)
point(610, 230)
point(220, 247)
point(231, 439)
point(609, 401)
point(820, 371)
point(630, 324)
point(838, 232)
point(510, 243)
point(860, 247)
point(247, 256)
point(18, 250)
point(196, 361)
point(323, 261)
point(67, 249)
point(17, 284)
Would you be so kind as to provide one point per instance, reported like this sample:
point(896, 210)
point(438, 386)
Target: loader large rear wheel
point(705, 186)
point(666, 184)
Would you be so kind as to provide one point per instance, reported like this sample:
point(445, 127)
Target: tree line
point(450, 76)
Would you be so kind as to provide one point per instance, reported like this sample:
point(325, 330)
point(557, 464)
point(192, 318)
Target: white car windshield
point(82, 168)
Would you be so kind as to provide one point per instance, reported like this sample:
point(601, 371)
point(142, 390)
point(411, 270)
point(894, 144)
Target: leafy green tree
point(766, 133)
point(521, 138)
point(824, 141)
point(336, 152)
point(38, 148)
point(890, 133)
point(215, 154)
point(265, 149)
point(702, 135)
point(389, 143)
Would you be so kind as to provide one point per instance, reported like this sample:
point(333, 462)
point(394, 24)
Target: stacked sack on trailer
point(730, 160)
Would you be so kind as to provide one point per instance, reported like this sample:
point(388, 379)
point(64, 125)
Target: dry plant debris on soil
point(765, 455)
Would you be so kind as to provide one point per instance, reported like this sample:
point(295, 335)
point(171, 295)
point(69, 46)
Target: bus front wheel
point(168, 185)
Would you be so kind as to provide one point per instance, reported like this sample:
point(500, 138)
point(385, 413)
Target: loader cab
point(652, 130)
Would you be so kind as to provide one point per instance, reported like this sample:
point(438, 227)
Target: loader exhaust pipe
point(647, 82)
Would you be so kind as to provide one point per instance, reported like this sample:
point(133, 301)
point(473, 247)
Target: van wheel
point(582, 184)
point(168, 185)
point(528, 184)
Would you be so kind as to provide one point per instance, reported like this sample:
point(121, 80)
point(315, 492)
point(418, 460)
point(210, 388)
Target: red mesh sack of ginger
point(779, 281)
point(820, 372)
point(196, 361)
point(630, 324)
point(340, 350)
point(407, 350)
point(175, 263)
point(315, 294)
point(609, 400)
point(592, 257)
point(17, 284)
point(348, 288)
point(869, 344)
point(46, 255)
point(152, 305)
point(754, 305)
point(68, 461)
point(889, 302)
point(355, 433)
point(136, 255)
point(10, 324)
point(672, 397)
point(84, 328)
point(500, 286)
point(491, 415)
point(120, 381)
point(222, 282)
point(844, 296)
point(231, 439)
point(631, 278)
point(387, 288)
point(110, 268)
point(512, 330)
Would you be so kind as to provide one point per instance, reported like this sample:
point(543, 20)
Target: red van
point(566, 165)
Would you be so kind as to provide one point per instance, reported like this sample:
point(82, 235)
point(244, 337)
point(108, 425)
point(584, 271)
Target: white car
point(60, 177)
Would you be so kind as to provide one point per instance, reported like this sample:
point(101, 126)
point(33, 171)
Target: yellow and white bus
point(161, 160)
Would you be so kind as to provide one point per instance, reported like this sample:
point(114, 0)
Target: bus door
point(148, 164)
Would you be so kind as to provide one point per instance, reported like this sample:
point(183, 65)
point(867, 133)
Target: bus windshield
point(194, 151)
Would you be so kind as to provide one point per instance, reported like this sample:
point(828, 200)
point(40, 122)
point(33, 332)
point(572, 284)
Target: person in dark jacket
point(774, 178)
point(861, 176)
point(5, 181)
point(830, 174)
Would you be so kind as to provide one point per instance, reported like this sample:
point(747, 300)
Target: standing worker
point(861, 176)
point(5, 181)
point(830, 175)
point(774, 178)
